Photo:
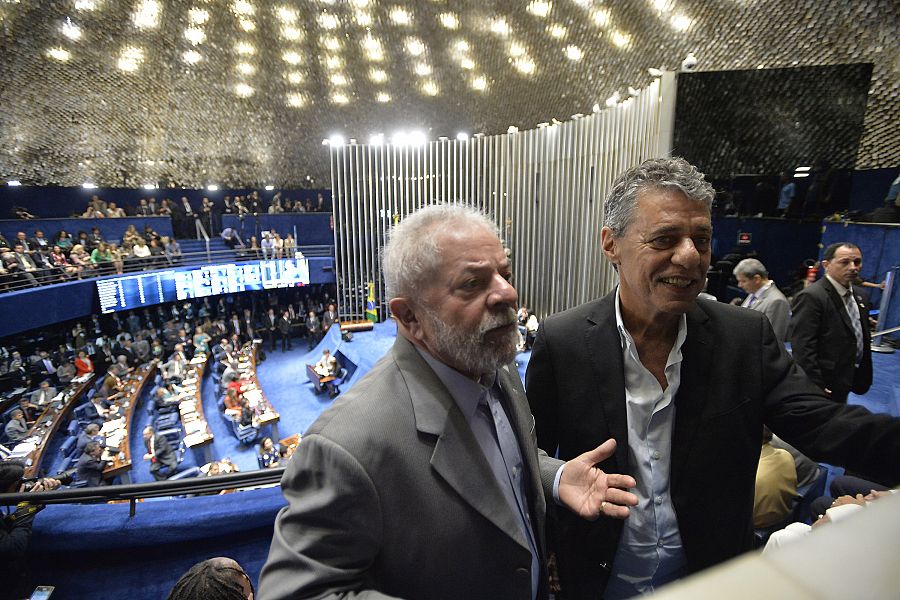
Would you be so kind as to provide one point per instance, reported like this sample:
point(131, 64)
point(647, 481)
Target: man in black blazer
point(90, 466)
point(160, 454)
point(830, 339)
point(684, 386)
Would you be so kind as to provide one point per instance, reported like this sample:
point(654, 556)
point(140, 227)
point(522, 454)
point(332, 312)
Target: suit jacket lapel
point(838, 302)
point(457, 457)
point(605, 350)
point(696, 353)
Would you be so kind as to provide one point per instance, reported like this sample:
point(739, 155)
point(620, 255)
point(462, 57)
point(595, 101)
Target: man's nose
point(502, 293)
point(686, 253)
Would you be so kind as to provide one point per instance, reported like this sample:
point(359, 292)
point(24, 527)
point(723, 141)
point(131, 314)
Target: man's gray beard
point(468, 350)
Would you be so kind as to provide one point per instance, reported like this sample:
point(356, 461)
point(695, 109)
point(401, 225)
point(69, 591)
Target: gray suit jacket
point(774, 305)
point(390, 495)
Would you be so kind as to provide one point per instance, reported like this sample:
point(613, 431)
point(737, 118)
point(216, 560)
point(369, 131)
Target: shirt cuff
point(556, 484)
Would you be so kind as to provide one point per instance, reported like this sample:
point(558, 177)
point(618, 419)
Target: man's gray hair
point(412, 254)
point(656, 173)
point(750, 267)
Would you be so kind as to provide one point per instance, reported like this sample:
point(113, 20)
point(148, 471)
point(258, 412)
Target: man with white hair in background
point(424, 480)
point(763, 295)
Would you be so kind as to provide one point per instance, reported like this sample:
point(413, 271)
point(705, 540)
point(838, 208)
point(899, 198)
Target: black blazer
point(735, 376)
point(823, 342)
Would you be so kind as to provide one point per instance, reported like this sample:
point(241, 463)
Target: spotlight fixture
point(269, 188)
point(689, 63)
point(88, 185)
point(13, 183)
point(212, 187)
point(462, 136)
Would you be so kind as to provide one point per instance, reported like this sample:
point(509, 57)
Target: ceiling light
point(596, 107)
point(415, 46)
point(340, 98)
point(331, 43)
point(662, 5)
point(191, 57)
point(89, 186)
point(539, 8)
point(360, 3)
point(449, 20)
point(383, 97)
point(149, 186)
point(147, 15)
point(802, 169)
point(130, 59)
point(336, 139)
point(194, 35)
point(371, 43)
point(430, 88)
point(339, 79)
point(462, 46)
point(500, 26)
point(375, 55)
point(376, 139)
point(574, 53)
point(291, 33)
point(467, 63)
point(333, 62)
point(246, 68)
point(269, 188)
point(681, 22)
point(543, 125)
point(801, 175)
point(286, 14)
point(13, 183)
point(423, 69)
point(557, 31)
point(245, 49)
point(417, 138)
point(378, 75)
point(85, 5)
point(620, 39)
point(479, 83)
point(600, 16)
point(60, 54)
point(296, 100)
point(291, 57)
point(198, 16)
point(295, 77)
point(243, 90)
point(512, 129)
point(516, 49)
point(328, 21)
point(462, 136)
point(400, 16)
point(613, 100)
point(524, 65)
point(212, 187)
point(634, 93)
point(242, 7)
point(577, 116)
point(654, 72)
point(247, 25)
point(362, 18)
point(70, 30)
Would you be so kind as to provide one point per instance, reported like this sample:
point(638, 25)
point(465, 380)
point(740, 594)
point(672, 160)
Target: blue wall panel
point(313, 229)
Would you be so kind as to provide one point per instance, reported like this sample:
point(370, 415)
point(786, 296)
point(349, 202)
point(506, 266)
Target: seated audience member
point(80, 258)
point(157, 254)
point(776, 485)
point(232, 402)
point(220, 467)
point(117, 258)
point(141, 252)
point(845, 485)
point(290, 246)
point(268, 454)
point(59, 261)
point(247, 417)
point(327, 365)
point(16, 429)
point(201, 340)
point(96, 237)
point(44, 394)
point(176, 367)
point(90, 434)
point(160, 454)
point(172, 249)
point(130, 238)
point(83, 364)
point(230, 237)
point(114, 211)
point(220, 578)
point(164, 399)
point(65, 373)
point(120, 368)
point(63, 240)
point(31, 411)
point(101, 258)
point(25, 263)
point(141, 348)
point(90, 465)
point(807, 469)
point(230, 375)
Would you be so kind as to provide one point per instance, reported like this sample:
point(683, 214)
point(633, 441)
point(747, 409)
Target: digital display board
point(184, 283)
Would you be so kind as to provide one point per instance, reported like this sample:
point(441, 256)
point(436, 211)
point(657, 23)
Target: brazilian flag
point(371, 311)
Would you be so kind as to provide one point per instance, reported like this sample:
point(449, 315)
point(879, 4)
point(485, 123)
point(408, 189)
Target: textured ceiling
point(240, 92)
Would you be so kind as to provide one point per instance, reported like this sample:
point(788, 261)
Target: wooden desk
point(289, 444)
point(197, 433)
point(250, 389)
point(46, 425)
point(120, 458)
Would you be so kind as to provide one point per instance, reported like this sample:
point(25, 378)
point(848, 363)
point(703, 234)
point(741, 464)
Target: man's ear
point(609, 245)
point(405, 313)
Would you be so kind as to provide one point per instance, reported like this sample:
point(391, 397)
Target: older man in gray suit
point(763, 295)
point(424, 480)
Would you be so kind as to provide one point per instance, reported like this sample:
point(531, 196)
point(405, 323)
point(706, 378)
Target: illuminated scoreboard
point(145, 289)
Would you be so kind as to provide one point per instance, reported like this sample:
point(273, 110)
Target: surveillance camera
point(689, 63)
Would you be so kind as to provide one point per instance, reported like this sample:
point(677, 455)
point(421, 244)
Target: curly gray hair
point(412, 253)
point(656, 173)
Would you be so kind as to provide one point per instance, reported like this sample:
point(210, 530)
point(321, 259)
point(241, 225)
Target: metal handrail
point(50, 276)
point(158, 489)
